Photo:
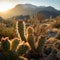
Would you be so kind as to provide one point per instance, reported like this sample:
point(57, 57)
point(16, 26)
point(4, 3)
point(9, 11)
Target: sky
point(53, 3)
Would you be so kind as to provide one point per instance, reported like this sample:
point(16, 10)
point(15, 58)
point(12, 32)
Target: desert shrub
point(7, 32)
point(58, 35)
point(57, 23)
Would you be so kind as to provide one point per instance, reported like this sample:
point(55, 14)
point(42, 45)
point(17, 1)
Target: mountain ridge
point(29, 9)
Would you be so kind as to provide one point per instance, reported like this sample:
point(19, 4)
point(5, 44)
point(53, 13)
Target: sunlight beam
point(4, 6)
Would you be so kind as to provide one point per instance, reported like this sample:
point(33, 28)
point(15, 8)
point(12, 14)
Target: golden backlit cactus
point(5, 44)
point(14, 44)
point(17, 49)
point(21, 30)
point(31, 38)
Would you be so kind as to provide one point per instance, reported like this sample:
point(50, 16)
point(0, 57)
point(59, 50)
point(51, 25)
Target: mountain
point(29, 9)
point(49, 11)
point(49, 8)
point(20, 9)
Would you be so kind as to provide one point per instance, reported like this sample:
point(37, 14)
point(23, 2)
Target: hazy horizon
point(11, 3)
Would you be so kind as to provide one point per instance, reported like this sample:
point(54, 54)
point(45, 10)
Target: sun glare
point(5, 6)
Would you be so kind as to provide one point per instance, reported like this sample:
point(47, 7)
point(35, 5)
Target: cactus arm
point(15, 43)
point(31, 42)
point(22, 49)
point(21, 30)
point(5, 44)
point(41, 44)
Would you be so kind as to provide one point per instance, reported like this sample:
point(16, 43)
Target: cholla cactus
point(21, 30)
point(24, 32)
point(41, 44)
point(5, 44)
point(30, 30)
point(30, 39)
point(16, 50)
point(14, 44)
point(22, 49)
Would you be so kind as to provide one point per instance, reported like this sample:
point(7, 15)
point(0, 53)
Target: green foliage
point(5, 45)
point(21, 30)
point(13, 53)
point(15, 43)
point(41, 44)
point(22, 49)
point(31, 41)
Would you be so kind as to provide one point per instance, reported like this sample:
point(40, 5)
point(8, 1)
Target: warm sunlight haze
point(5, 6)
point(29, 29)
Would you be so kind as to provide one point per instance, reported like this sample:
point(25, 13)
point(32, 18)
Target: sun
point(5, 6)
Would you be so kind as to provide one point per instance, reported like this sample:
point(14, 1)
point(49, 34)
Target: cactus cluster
point(21, 30)
point(31, 38)
point(28, 46)
point(12, 50)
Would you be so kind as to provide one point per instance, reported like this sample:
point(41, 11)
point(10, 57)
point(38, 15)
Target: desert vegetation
point(32, 39)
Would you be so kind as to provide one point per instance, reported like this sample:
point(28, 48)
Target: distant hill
point(29, 9)
point(49, 11)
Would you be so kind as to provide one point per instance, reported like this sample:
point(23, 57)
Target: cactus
point(22, 49)
point(21, 30)
point(31, 41)
point(5, 44)
point(15, 43)
point(30, 30)
point(41, 44)
point(14, 53)
point(37, 50)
